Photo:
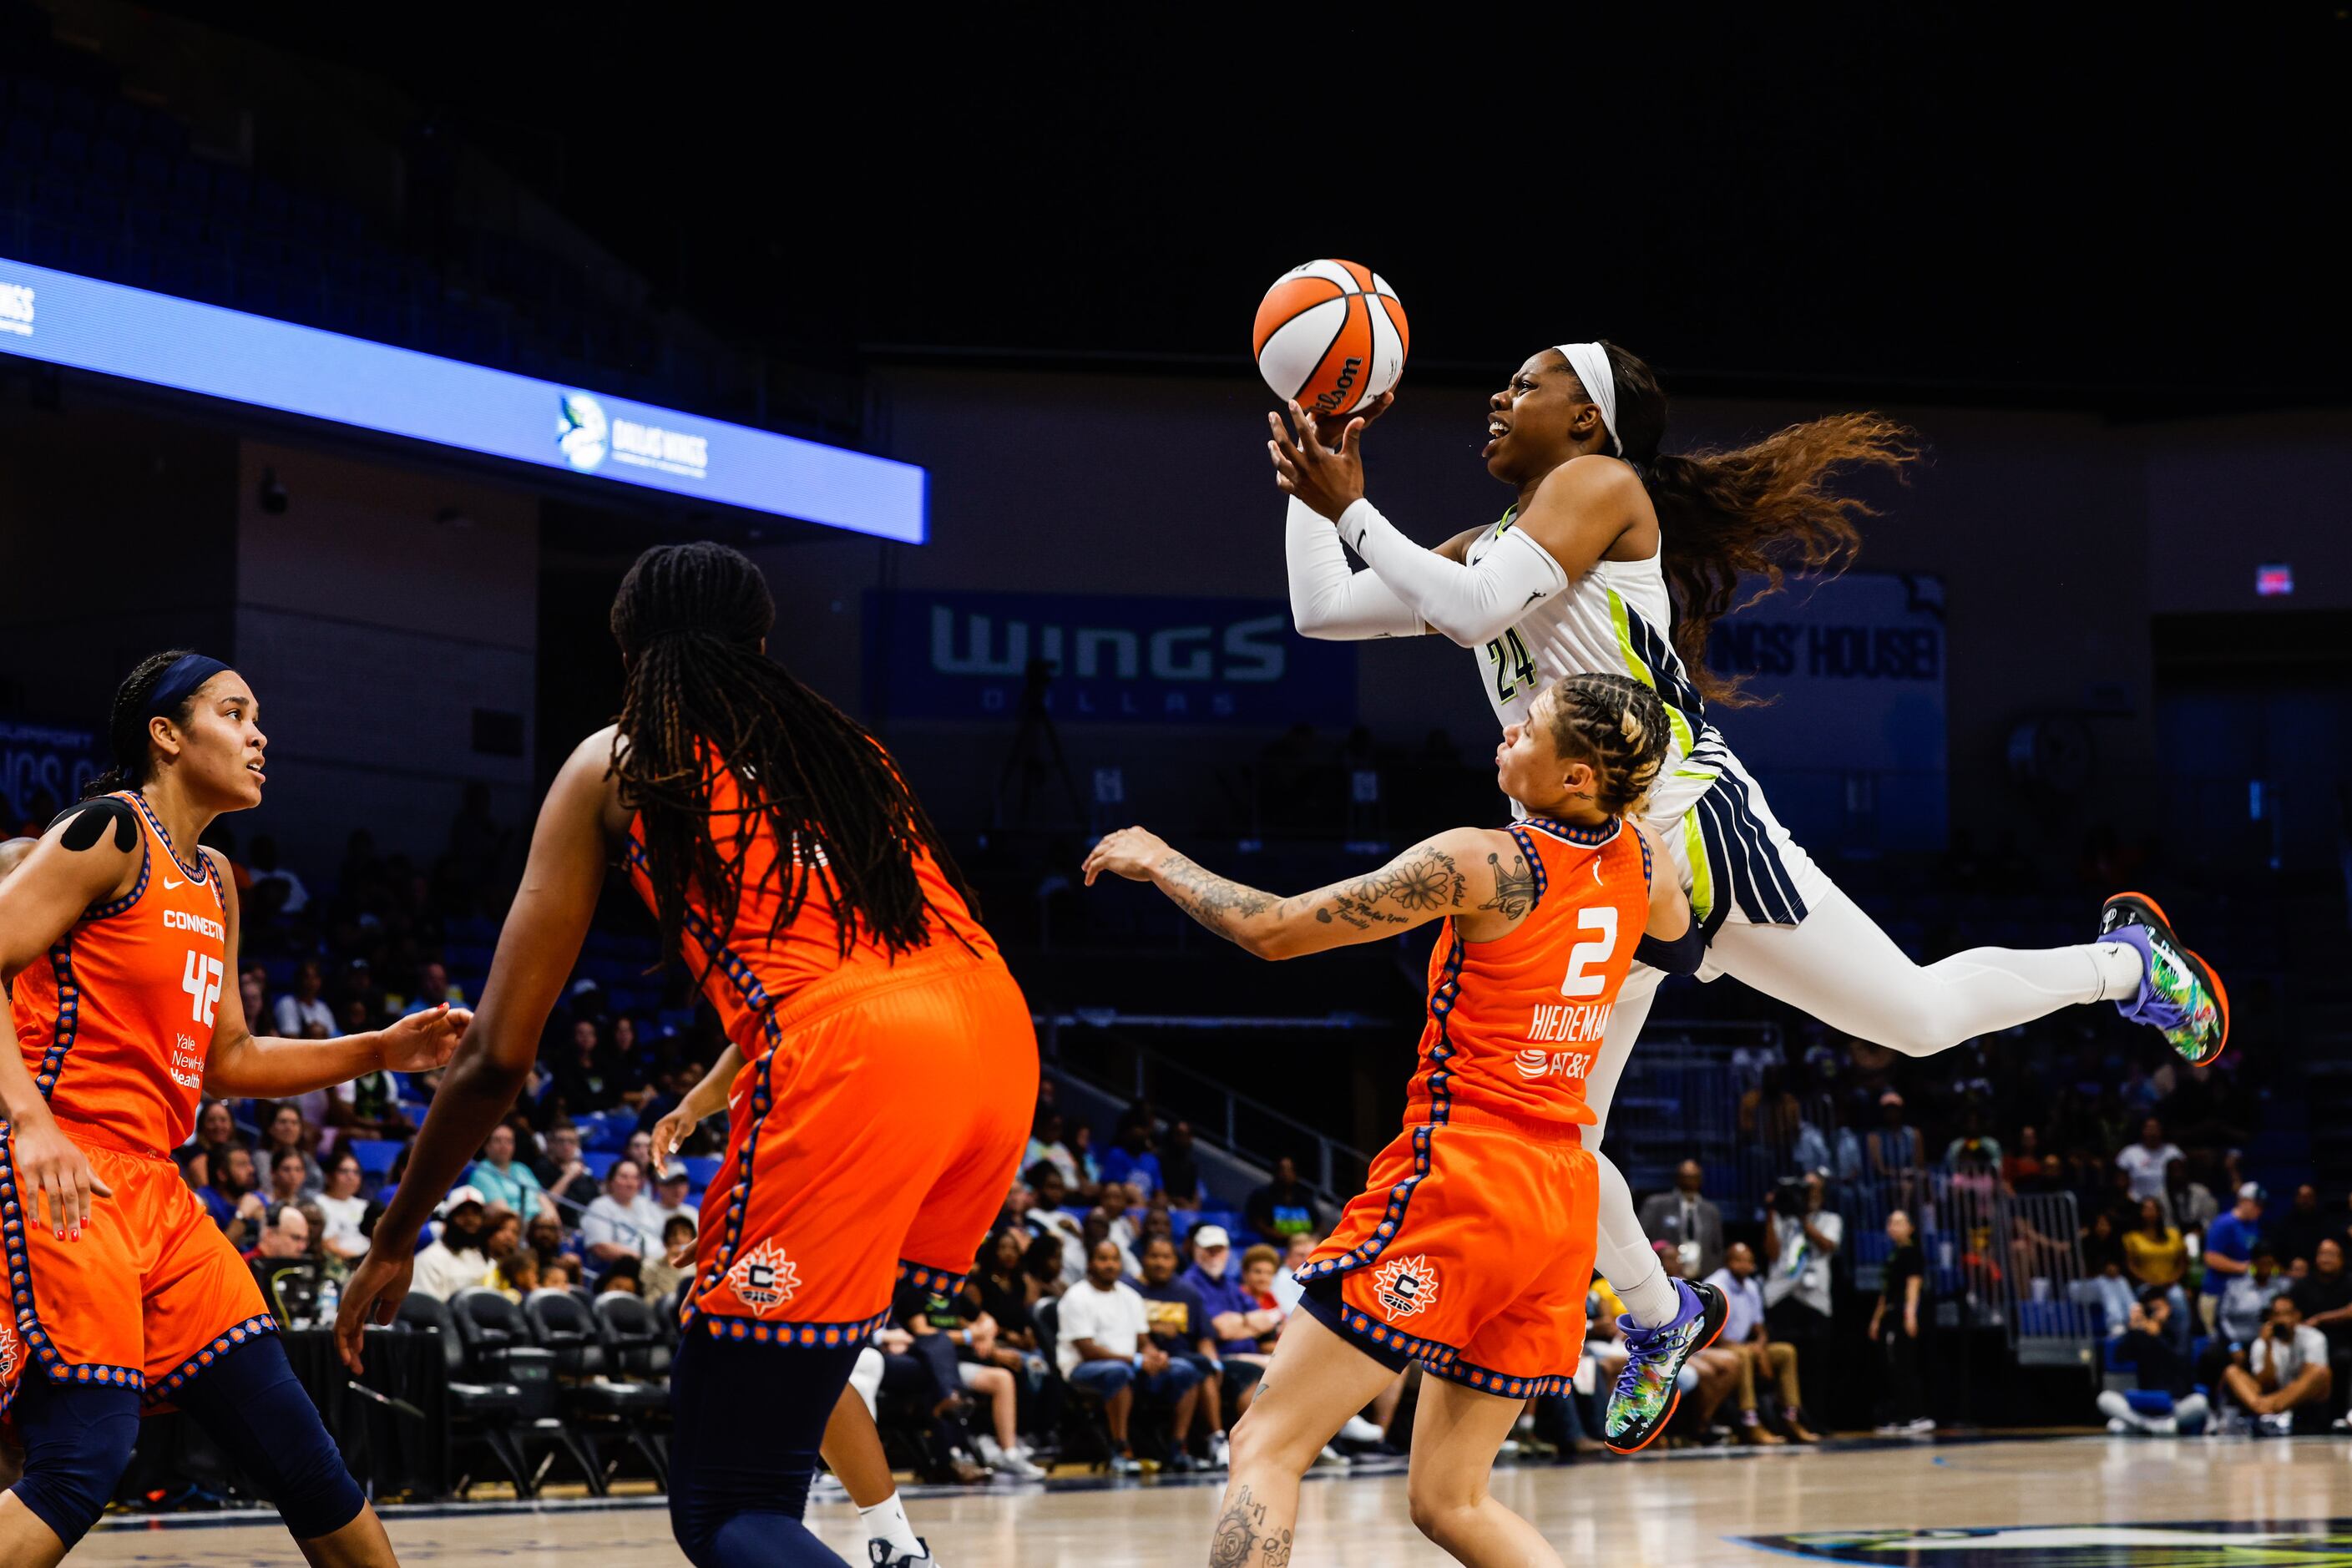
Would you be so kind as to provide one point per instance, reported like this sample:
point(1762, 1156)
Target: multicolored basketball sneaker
point(1644, 1398)
point(2178, 994)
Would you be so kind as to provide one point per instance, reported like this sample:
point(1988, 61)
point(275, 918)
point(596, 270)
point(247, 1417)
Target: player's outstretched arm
point(537, 948)
point(1429, 881)
point(239, 1065)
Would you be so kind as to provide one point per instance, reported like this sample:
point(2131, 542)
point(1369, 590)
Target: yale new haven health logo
point(2217, 1543)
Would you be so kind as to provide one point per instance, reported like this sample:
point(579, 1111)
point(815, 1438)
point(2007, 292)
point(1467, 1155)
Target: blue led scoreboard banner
point(946, 654)
point(83, 323)
point(41, 772)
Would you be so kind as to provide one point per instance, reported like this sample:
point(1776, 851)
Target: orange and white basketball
point(1330, 334)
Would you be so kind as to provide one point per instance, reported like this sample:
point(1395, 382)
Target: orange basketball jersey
point(752, 968)
point(1515, 1024)
point(116, 1025)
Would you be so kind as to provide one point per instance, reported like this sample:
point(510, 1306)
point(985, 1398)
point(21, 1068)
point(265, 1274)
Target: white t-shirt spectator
point(1116, 1319)
point(1746, 1305)
point(2144, 1166)
point(441, 1273)
point(2309, 1349)
point(1803, 1269)
point(343, 1216)
point(638, 1226)
point(295, 1017)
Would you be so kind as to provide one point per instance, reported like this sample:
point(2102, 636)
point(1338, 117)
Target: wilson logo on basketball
point(763, 1279)
point(1339, 393)
point(1405, 1286)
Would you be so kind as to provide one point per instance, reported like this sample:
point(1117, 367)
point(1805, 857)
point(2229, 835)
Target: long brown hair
point(701, 697)
point(1765, 509)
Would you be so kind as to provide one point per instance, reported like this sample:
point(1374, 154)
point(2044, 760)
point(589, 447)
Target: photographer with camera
point(1801, 1238)
point(2282, 1380)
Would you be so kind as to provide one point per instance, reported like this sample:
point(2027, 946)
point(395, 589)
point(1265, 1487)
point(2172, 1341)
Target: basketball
point(1330, 334)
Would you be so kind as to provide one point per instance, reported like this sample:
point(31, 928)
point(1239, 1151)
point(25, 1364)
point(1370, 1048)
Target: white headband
point(1591, 362)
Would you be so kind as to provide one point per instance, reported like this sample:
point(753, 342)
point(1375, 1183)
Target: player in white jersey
point(1617, 557)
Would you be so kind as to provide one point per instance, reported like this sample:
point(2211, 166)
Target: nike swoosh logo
point(169, 884)
point(1533, 597)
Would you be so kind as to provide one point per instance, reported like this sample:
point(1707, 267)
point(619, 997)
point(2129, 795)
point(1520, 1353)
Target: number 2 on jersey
point(1515, 663)
point(203, 983)
point(1586, 960)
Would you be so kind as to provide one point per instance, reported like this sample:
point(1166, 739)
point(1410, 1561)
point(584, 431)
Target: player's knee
point(1263, 1438)
point(76, 1447)
point(1438, 1515)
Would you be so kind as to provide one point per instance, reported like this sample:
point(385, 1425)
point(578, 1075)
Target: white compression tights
point(1841, 968)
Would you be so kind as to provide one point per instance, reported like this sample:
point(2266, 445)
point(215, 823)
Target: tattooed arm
point(1459, 873)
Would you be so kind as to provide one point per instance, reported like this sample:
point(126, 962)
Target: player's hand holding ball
point(1330, 339)
point(1130, 853)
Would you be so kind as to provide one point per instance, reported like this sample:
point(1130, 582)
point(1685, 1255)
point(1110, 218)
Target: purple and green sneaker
point(1644, 1398)
point(2180, 995)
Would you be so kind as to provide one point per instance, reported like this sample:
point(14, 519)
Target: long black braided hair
point(126, 729)
point(1618, 726)
point(702, 696)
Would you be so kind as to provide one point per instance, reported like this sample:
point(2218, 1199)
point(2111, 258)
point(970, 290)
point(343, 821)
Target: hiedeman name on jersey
point(1570, 1021)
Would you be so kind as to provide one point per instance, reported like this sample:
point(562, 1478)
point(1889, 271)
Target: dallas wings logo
point(582, 434)
point(763, 1279)
point(1405, 1286)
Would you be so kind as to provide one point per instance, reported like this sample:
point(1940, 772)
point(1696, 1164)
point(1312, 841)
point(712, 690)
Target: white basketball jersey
point(1614, 620)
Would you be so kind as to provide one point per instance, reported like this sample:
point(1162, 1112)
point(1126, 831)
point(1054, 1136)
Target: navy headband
point(179, 682)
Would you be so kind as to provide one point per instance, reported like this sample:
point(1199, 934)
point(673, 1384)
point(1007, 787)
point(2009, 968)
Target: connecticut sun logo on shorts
point(1405, 1286)
point(10, 1353)
point(763, 1279)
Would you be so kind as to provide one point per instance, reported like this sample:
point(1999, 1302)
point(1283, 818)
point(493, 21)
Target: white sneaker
point(1358, 1430)
point(1924, 1423)
point(2278, 1423)
point(1221, 1452)
point(1331, 1456)
point(991, 1454)
point(1019, 1469)
point(882, 1555)
point(1889, 1429)
point(2117, 1426)
point(1126, 1465)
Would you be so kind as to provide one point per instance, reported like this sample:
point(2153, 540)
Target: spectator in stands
point(1689, 1219)
point(2151, 1347)
point(433, 988)
point(253, 991)
point(544, 1235)
point(215, 1128)
point(280, 886)
point(459, 1255)
point(503, 1180)
point(1180, 1326)
point(1897, 1153)
point(1118, 1209)
point(304, 1009)
point(2230, 1242)
point(2156, 1258)
point(674, 1266)
point(1105, 1351)
point(1802, 1237)
point(1761, 1355)
point(1974, 1146)
point(1048, 1213)
point(1894, 1328)
point(2246, 1300)
point(1283, 1206)
point(2024, 1169)
point(1131, 1160)
point(368, 1106)
point(1080, 1141)
point(518, 1274)
point(583, 1079)
point(622, 1223)
point(1045, 1144)
point(671, 1191)
point(1235, 1320)
point(1042, 1262)
point(288, 1130)
point(236, 1207)
point(2190, 1202)
point(562, 1172)
point(2143, 1163)
point(344, 1208)
point(1287, 1287)
point(624, 1278)
point(287, 1176)
point(2324, 1296)
point(2283, 1380)
point(282, 1266)
point(1259, 1265)
point(2302, 1228)
point(1180, 1167)
point(360, 999)
point(1095, 1229)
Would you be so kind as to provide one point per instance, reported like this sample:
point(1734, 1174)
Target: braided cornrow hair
point(701, 694)
point(126, 729)
point(1619, 726)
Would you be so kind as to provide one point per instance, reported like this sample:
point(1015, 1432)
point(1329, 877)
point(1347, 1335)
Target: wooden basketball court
point(2089, 1502)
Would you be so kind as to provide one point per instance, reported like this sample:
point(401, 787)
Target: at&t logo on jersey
point(1533, 1065)
point(763, 1279)
point(16, 309)
point(1403, 1286)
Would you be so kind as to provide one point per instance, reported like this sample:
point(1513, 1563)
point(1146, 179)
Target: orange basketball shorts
point(873, 1140)
point(1470, 1250)
point(148, 1297)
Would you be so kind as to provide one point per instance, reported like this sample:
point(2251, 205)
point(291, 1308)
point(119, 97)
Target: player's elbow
point(1274, 943)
